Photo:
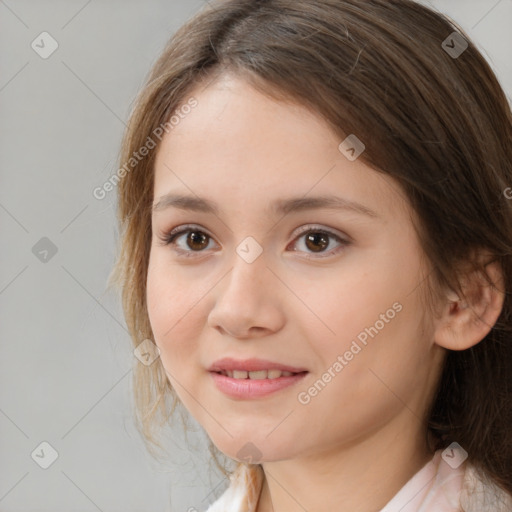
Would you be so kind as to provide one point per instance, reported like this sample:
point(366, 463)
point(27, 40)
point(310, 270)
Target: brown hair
point(439, 124)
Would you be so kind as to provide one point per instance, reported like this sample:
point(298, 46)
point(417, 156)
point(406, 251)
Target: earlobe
point(464, 323)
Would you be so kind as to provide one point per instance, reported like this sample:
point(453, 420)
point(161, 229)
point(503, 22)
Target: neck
point(362, 477)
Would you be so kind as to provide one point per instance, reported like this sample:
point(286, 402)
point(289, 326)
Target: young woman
point(317, 237)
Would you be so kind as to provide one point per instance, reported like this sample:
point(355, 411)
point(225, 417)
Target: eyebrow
point(279, 206)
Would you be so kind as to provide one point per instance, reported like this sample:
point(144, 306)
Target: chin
point(254, 449)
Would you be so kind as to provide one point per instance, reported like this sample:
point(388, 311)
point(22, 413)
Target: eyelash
point(170, 239)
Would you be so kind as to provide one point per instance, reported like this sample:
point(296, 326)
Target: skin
point(242, 150)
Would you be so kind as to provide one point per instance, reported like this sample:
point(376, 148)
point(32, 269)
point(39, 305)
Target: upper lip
point(251, 365)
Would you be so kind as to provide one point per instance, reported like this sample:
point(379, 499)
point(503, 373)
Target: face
point(332, 290)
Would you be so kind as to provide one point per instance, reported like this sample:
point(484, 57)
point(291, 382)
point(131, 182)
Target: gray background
point(66, 356)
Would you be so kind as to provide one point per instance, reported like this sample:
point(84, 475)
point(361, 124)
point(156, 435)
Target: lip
point(253, 388)
point(252, 365)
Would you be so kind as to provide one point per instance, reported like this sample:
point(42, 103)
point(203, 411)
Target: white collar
point(434, 488)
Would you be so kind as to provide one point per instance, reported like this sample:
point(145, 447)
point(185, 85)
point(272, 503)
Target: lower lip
point(253, 388)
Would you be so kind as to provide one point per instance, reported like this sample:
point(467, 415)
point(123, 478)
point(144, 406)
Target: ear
point(464, 323)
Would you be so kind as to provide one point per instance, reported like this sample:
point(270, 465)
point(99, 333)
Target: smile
point(256, 375)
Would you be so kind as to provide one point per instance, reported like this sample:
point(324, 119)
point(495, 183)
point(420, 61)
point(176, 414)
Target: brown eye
point(197, 240)
point(317, 241)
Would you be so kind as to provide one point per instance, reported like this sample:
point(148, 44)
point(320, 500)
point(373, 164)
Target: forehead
point(229, 110)
point(238, 145)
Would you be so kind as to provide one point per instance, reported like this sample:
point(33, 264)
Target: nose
point(247, 300)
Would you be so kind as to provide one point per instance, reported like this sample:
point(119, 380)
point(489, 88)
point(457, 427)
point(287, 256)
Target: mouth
point(253, 378)
point(247, 388)
point(253, 368)
point(258, 374)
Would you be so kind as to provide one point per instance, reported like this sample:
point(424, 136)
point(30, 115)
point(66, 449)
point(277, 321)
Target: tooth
point(260, 374)
point(257, 375)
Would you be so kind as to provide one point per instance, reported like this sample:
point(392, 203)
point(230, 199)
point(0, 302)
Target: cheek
point(173, 312)
point(158, 299)
point(374, 318)
point(358, 305)
point(362, 384)
point(379, 363)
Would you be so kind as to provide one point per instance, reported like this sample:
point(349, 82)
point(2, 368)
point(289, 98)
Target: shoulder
point(243, 491)
point(465, 489)
point(476, 492)
point(480, 494)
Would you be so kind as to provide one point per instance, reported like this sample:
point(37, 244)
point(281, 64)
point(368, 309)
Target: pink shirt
point(437, 487)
